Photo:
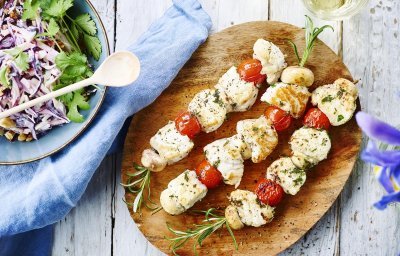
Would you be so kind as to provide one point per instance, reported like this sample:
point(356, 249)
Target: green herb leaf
point(4, 80)
point(212, 223)
point(86, 23)
point(64, 60)
point(296, 52)
point(57, 8)
point(138, 183)
point(22, 61)
point(93, 45)
point(14, 51)
point(31, 9)
point(328, 98)
point(311, 35)
point(340, 118)
point(52, 28)
point(20, 58)
point(74, 30)
point(77, 102)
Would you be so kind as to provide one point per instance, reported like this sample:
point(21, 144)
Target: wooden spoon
point(119, 69)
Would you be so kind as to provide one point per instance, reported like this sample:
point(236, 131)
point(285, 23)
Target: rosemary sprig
point(312, 34)
point(212, 223)
point(138, 182)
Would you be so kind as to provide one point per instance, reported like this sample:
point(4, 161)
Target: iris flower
point(386, 157)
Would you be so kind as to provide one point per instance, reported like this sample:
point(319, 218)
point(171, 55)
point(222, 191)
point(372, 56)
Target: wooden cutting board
point(296, 214)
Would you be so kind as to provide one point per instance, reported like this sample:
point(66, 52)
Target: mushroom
point(233, 218)
point(299, 74)
point(153, 161)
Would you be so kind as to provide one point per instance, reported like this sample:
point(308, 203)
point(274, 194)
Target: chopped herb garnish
point(328, 98)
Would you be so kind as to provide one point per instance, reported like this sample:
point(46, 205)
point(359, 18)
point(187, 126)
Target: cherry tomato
point(187, 124)
point(279, 118)
point(315, 118)
point(208, 175)
point(269, 192)
point(249, 70)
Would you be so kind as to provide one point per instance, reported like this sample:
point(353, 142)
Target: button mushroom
point(153, 161)
point(233, 218)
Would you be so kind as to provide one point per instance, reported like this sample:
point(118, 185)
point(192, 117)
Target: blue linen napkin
point(41, 193)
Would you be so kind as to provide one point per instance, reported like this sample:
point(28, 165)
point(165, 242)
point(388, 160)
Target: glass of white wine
point(334, 9)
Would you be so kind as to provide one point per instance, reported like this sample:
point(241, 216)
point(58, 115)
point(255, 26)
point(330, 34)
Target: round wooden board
point(296, 214)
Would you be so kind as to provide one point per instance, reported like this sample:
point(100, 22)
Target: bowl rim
point(95, 110)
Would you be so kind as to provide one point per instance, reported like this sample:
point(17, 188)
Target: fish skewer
point(255, 139)
point(236, 91)
point(285, 175)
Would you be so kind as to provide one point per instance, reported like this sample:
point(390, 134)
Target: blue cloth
point(41, 193)
point(36, 242)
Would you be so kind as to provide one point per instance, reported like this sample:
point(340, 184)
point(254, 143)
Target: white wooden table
point(370, 46)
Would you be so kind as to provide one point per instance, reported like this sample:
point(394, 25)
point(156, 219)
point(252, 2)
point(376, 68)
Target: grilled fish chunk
point(170, 144)
point(310, 146)
point(288, 97)
point(210, 108)
point(259, 136)
point(227, 156)
point(182, 193)
point(241, 95)
point(287, 175)
point(272, 59)
point(337, 101)
point(251, 211)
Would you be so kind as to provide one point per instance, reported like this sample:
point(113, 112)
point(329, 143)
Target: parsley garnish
point(340, 118)
point(20, 57)
point(328, 98)
point(4, 80)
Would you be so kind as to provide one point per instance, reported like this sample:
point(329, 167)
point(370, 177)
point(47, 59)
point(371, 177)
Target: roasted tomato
point(269, 192)
point(315, 118)
point(187, 124)
point(208, 175)
point(249, 70)
point(280, 119)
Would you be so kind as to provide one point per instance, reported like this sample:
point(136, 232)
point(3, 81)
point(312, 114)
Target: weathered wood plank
point(371, 51)
point(322, 239)
point(132, 19)
point(87, 229)
point(135, 17)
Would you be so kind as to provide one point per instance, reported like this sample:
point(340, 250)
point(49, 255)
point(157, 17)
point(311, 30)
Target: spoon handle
point(46, 97)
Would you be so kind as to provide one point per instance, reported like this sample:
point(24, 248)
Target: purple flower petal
point(372, 154)
point(377, 129)
point(384, 179)
point(385, 200)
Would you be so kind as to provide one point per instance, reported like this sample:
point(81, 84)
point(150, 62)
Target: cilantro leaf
point(64, 60)
point(52, 28)
point(86, 23)
point(74, 30)
point(93, 46)
point(22, 61)
point(13, 51)
point(57, 8)
point(4, 80)
point(31, 9)
point(20, 58)
point(77, 102)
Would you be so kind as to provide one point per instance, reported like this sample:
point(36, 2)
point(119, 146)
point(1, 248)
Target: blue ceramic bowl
point(58, 138)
